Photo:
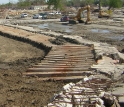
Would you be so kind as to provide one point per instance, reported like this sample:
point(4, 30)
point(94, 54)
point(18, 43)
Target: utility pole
point(99, 4)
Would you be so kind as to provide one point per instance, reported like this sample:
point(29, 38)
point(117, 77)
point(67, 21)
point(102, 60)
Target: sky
point(7, 1)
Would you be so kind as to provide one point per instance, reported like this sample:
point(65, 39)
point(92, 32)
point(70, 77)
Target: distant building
point(40, 7)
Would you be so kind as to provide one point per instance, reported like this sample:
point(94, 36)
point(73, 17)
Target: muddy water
point(70, 29)
point(120, 37)
point(106, 31)
point(96, 33)
point(54, 27)
point(100, 31)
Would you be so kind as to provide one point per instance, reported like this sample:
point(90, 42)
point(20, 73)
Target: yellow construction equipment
point(103, 14)
point(78, 17)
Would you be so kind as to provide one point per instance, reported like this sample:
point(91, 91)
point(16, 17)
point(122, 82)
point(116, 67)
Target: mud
point(103, 31)
point(16, 57)
point(60, 40)
point(96, 32)
point(16, 90)
point(106, 35)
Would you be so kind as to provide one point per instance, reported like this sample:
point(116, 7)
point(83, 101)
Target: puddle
point(100, 31)
point(116, 37)
point(67, 29)
point(54, 27)
point(120, 37)
point(43, 26)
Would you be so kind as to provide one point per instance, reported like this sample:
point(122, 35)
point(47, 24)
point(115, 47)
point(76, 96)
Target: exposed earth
point(100, 32)
point(16, 57)
point(18, 91)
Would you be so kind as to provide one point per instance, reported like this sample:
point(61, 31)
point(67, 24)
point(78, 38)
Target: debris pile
point(89, 92)
point(60, 40)
point(109, 66)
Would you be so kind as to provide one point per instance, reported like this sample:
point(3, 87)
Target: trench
point(26, 40)
point(26, 61)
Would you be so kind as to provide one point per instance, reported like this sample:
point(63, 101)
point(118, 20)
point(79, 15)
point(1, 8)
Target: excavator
point(103, 14)
point(78, 17)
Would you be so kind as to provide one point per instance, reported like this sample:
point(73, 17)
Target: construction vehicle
point(103, 14)
point(78, 17)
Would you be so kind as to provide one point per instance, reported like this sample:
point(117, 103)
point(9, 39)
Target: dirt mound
point(60, 40)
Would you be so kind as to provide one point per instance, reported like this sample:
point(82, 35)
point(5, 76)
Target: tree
point(76, 3)
point(115, 4)
point(20, 3)
point(58, 4)
point(38, 2)
point(105, 2)
point(28, 3)
point(70, 3)
point(89, 2)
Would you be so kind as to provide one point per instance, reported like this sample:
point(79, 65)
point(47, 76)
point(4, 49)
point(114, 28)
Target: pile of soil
point(16, 90)
point(60, 40)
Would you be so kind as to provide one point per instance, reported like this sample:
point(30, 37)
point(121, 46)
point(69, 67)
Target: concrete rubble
point(88, 92)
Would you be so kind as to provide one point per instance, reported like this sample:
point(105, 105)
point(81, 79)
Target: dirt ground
point(16, 57)
point(18, 91)
point(100, 32)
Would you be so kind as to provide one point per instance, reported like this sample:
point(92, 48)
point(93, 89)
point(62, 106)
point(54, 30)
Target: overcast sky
point(7, 1)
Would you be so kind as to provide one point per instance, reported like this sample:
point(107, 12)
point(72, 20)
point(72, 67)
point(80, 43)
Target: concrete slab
point(118, 19)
